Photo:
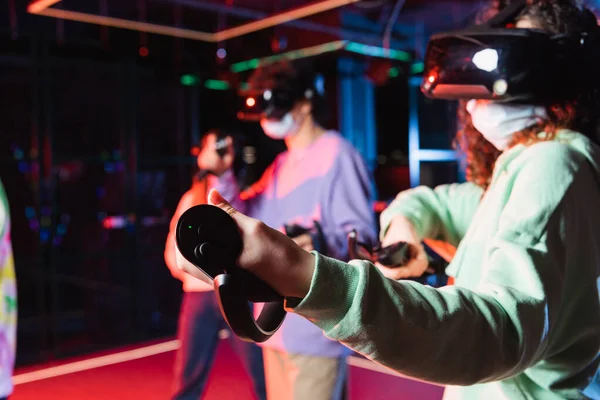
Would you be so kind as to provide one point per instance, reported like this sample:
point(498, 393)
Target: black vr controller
point(397, 255)
point(316, 234)
point(209, 238)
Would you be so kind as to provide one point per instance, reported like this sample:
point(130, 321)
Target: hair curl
point(581, 114)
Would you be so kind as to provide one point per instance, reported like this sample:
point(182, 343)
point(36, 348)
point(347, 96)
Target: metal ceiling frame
point(43, 7)
point(371, 37)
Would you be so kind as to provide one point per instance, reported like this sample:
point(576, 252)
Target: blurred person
point(318, 190)
point(200, 321)
point(522, 320)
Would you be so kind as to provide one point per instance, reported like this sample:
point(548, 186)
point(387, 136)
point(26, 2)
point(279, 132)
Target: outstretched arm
point(452, 335)
point(455, 335)
point(443, 213)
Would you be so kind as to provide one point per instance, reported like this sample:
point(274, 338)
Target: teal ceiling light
point(352, 47)
point(380, 52)
point(417, 68)
point(211, 84)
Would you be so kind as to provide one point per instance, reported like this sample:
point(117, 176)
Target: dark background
point(95, 151)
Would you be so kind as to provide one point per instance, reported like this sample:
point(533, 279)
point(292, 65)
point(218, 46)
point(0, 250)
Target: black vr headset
point(491, 61)
point(274, 103)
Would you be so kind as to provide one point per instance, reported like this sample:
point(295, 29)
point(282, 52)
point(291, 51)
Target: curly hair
point(581, 114)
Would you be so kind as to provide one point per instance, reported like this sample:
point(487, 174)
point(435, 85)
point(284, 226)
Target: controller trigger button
point(207, 249)
point(198, 252)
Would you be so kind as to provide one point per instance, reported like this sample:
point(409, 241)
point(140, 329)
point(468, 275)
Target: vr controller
point(396, 256)
point(316, 234)
point(209, 238)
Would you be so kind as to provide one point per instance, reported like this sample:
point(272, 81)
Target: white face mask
point(286, 127)
point(497, 122)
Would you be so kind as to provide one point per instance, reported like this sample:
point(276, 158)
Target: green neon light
point(375, 51)
point(353, 47)
point(417, 68)
point(245, 65)
point(290, 55)
point(394, 72)
point(214, 84)
point(189, 80)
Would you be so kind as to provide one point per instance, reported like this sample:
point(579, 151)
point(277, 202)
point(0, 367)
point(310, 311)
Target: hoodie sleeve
point(442, 213)
point(347, 203)
point(454, 335)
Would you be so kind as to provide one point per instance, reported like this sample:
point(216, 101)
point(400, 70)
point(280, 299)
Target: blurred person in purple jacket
point(322, 182)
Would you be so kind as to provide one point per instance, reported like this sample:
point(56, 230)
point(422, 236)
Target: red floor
point(149, 378)
point(146, 378)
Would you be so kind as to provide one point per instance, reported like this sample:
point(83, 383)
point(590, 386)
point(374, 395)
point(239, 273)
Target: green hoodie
point(523, 318)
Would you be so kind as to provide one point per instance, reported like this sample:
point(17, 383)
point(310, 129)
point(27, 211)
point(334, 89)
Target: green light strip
point(352, 47)
point(290, 55)
point(380, 52)
point(189, 80)
point(417, 68)
point(214, 84)
point(394, 72)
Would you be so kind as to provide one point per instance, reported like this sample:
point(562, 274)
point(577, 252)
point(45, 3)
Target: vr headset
point(274, 103)
point(491, 61)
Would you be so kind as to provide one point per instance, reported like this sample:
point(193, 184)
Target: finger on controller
point(210, 238)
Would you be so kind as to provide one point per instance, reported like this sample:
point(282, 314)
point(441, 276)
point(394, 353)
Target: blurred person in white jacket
point(200, 320)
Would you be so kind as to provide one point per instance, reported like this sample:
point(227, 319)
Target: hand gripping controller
point(209, 238)
point(398, 254)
